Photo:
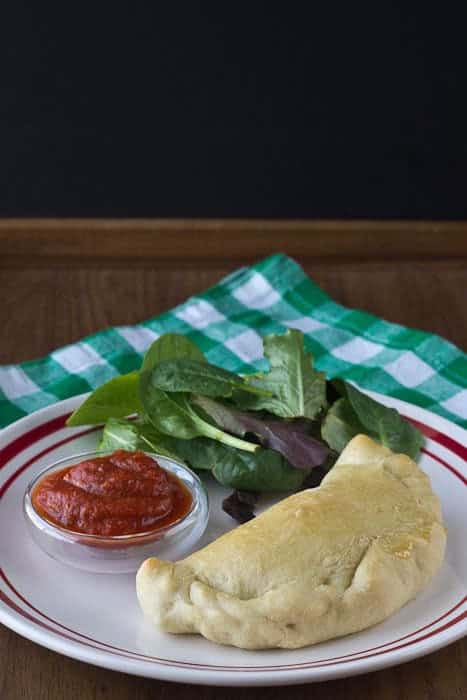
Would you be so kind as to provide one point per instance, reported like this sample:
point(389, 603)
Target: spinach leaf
point(399, 435)
point(265, 470)
point(340, 425)
point(290, 438)
point(127, 435)
point(381, 422)
point(116, 398)
point(299, 390)
point(172, 414)
point(170, 346)
point(199, 454)
point(187, 375)
point(119, 397)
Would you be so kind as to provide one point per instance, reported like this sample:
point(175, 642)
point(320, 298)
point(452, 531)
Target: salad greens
point(265, 470)
point(239, 505)
point(297, 389)
point(171, 346)
point(289, 438)
point(120, 434)
point(117, 398)
point(174, 414)
point(340, 425)
point(201, 378)
point(383, 424)
point(120, 396)
point(270, 431)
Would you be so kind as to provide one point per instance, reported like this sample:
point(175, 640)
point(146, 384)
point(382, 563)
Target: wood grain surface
point(49, 300)
point(185, 241)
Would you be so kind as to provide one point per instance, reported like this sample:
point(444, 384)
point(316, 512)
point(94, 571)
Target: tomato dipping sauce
point(125, 493)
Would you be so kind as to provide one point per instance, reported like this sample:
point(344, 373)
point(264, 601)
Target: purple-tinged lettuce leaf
point(240, 505)
point(289, 438)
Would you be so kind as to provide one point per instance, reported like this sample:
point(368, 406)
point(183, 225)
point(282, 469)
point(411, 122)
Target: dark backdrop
point(179, 110)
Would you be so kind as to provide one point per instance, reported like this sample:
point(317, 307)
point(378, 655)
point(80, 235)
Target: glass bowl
point(123, 553)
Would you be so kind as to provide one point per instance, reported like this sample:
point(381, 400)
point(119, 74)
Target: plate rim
point(172, 672)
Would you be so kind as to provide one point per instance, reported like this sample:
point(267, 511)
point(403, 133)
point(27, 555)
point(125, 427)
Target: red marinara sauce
point(125, 493)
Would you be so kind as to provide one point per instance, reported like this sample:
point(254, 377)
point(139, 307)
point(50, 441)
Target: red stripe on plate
point(27, 439)
point(31, 618)
point(440, 438)
point(145, 657)
point(445, 464)
point(11, 604)
point(51, 448)
point(242, 669)
point(444, 627)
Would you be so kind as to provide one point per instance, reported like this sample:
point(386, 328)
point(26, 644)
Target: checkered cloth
point(227, 322)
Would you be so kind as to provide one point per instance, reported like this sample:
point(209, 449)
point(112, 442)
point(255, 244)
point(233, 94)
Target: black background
point(225, 110)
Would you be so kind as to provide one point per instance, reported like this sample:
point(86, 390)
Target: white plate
point(96, 618)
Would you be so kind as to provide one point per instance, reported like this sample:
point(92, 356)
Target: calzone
point(322, 563)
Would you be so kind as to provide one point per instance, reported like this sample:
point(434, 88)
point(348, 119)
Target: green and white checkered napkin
point(227, 322)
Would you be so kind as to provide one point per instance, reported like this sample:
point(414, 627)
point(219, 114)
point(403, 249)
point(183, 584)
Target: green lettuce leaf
point(173, 414)
point(299, 391)
point(170, 346)
point(340, 425)
point(116, 398)
point(380, 422)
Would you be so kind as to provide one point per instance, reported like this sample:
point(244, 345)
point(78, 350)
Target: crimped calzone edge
point(322, 563)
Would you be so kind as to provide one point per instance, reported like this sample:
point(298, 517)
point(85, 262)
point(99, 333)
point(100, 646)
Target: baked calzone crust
point(322, 563)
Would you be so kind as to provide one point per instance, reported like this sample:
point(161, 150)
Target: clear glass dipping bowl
point(123, 553)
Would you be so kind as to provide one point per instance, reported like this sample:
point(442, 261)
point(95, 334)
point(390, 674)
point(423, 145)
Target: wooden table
point(62, 280)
